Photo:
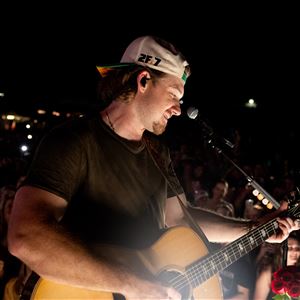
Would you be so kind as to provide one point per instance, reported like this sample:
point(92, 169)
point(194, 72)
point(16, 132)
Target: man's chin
point(159, 129)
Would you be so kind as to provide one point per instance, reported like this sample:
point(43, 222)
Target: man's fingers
point(289, 224)
point(297, 223)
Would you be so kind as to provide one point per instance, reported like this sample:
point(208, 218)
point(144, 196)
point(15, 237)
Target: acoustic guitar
point(179, 257)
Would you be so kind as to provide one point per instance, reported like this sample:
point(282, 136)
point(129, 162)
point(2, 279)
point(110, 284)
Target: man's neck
point(121, 119)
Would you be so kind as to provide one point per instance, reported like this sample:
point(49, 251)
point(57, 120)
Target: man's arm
point(211, 223)
point(222, 229)
point(36, 237)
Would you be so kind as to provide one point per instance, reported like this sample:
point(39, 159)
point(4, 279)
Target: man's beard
point(158, 128)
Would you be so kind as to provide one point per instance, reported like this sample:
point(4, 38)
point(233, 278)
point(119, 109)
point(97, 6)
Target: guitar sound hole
point(179, 282)
point(118, 297)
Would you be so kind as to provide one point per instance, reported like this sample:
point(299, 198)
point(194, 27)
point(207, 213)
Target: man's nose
point(176, 110)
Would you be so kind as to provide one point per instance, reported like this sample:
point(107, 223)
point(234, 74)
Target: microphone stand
point(210, 140)
point(250, 180)
point(209, 134)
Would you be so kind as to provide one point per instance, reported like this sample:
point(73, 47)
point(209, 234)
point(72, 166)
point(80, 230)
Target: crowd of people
point(117, 177)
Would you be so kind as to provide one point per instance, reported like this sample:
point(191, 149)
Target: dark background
point(234, 57)
point(230, 64)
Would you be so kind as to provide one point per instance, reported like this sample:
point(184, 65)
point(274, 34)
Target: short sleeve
point(58, 163)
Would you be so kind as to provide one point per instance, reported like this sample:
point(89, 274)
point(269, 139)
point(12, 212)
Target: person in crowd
point(285, 188)
point(9, 265)
point(271, 261)
point(7, 194)
point(236, 283)
point(252, 210)
point(194, 182)
point(99, 184)
point(217, 201)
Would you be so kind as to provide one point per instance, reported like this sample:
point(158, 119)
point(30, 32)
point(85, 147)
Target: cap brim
point(103, 70)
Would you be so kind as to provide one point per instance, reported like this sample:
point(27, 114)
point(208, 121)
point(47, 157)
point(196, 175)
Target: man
point(96, 182)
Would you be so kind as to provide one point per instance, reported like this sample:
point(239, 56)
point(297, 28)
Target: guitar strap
point(28, 286)
point(154, 154)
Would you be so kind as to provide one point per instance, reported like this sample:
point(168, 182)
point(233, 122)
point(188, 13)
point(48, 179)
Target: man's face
point(160, 102)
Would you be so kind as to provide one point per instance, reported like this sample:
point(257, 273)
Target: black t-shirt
point(115, 193)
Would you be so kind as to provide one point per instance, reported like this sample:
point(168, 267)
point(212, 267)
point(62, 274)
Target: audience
point(9, 265)
point(271, 261)
point(197, 167)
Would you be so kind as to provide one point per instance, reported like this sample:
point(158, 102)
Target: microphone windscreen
point(192, 112)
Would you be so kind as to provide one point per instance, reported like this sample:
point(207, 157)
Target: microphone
point(193, 113)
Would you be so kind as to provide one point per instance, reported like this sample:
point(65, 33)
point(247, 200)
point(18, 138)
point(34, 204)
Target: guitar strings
point(179, 282)
point(245, 240)
point(272, 225)
point(234, 253)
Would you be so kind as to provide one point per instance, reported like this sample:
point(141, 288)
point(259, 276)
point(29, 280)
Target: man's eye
point(176, 98)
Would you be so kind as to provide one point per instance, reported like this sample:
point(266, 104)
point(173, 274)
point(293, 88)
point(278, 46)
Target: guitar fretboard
point(203, 269)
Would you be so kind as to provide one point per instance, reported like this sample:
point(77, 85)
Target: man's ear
point(143, 77)
point(143, 81)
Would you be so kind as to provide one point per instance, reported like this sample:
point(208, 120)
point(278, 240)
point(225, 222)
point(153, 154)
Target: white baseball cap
point(154, 53)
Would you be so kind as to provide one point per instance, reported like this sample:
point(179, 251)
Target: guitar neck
point(204, 268)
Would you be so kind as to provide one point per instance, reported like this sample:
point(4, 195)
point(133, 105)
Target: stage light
point(251, 103)
point(41, 111)
point(260, 196)
point(56, 113)
point(24, 148)
point(10, 117)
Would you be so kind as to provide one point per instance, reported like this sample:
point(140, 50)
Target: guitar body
point(166, 259)
point(46, 289)
point(179, 258)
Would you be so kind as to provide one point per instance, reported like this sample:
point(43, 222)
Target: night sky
point(230, 64)
point(232, 60)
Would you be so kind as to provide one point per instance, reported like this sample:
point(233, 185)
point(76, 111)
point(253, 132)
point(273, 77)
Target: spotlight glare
point(10, 117)
point(260, 197)
point(24, 148)
point(251, 103)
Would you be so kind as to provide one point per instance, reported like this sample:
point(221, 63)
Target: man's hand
point(286, 224)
